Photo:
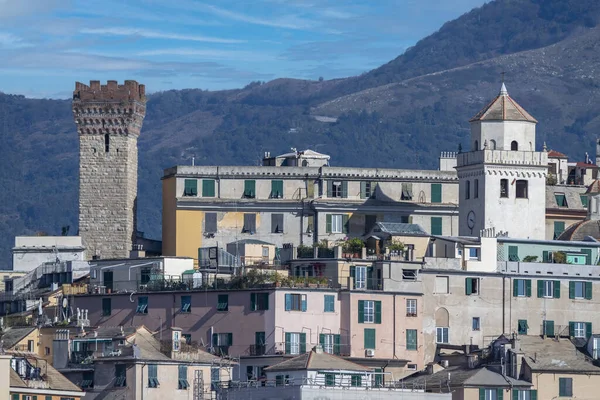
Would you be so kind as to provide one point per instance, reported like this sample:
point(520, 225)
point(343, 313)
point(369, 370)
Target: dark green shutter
point(302, 343)
point(344, 189)
point(336, 344)
point(259, 339)
point(522, 327)
point(288, 302)
point(545, 258)
point(361, 311)
point(571, 329)
point(363, 190)
point(353, 276)
point(436, 226)
point(515, 288)
point(208, 188)
point(288, 343)
point(533, 395)
point(515, 394)
point(571, 290)
point(345, 224)
point(369, 338)
point(500, 392)
point(377, 312)
point(250, 188)
point(540, 288)
point(436, 192)
point(411, 339)
point(556, 289)
point(588, 330)
point(190, 187)
point(588, 290)
point(588, 256)
point(253, 301)
point(468, 286)
point(584, 200)
point(215, 339)
point(513, 253)
point(481, 394)
point(328, 223)
point(230, 338)
point(321, 339)
point(528, 287)
point(329, 188)
point(549, 328)
point(559, 227)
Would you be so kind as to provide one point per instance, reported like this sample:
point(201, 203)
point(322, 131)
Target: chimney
point(5, 374)
point(137, 251)
point(60, 349)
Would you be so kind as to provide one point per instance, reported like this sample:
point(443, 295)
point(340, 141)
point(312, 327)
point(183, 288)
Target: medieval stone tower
point(109, 120)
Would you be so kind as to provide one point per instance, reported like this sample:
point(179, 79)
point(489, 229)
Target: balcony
point(502, 157)
point(257, 350)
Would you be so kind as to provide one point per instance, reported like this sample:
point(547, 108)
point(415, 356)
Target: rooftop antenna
point(193, 160)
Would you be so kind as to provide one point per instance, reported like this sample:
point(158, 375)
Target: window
point(369, 338)
point(249, 223)
point(579, 329)
point(503, 187)
point(548, 289)
point(407, 193)
point(145, 275)
point(521, 189)
point(295, 302)
point(565, 387)
point(367, 189)
point(221, 343)
point(276, 189)
point(411, 339)
point(260, 301)
point(182, 382)
point(337, 189)
point(330, 343)
point(295, 343)
point(548, 328)
point(208, 188)
point(87, 381)
point(580, 290)
point(187, 338)
point(411, 367)
point(513, 253)
point(223, 302)
point(142, 307)
point(514, 145)
point(476, 189)
point(476, 146)
point(476, 324)
point(106, 307)
point(559, 228)
point(561, 199)
point(584, 200)
point(522, 288)
point(356, 381)
point(186, 304)
point(411, 307)
point(281, 380)
point(152, 375)
point(436, 226)
point(441, 334)
point(276, 223)
point(190, 187)
point(473, 253)
point(471, 286)
point(210, 222)
point(522, 327)
point(260, 343)
point(249, 189)
point(441, 285)
point(369, 312)
point(120, 375)
point(329, 379)
point(336, 223)
point(525, 394)
point(47, 351)
point(436, 192)
point(409, 274)
point(467, 189)
point(329, 303)
point(360, 276)
point(106, 143)
point(491, 394)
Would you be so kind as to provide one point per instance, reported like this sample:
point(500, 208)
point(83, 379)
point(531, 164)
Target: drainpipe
point(503, 304)
point(394, 309)
point(142, 381)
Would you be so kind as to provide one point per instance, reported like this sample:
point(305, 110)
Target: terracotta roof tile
point(503, 108)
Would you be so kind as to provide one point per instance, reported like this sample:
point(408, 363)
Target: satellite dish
point(65, 303)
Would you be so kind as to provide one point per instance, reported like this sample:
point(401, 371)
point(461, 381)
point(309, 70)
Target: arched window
point(493, 144)
point(106, 143)
point(514, 146)
point(476, 146)
point(442, 322)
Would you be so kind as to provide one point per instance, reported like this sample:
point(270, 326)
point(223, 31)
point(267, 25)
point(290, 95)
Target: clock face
point(471, 219)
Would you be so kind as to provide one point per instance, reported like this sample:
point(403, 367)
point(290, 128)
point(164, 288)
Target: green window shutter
point(549, 328)
point(303, 303)
point(250, 188)
point(559, 227)
point(468, 286)
point(588, 329)
point(436, 226)
point(545, 257)
point(528, 287)
point(321, 339)
point(353, 275)
point(344, 189)
point(584, 200)
point(481, 394)
point(411, 339)
point(540, 288)
point(361, 311)
point(253, 301)
point(336, 344)
point(230, 338)
point(556, 289)
point(329, 188)
point(288, 344)
point(436, 192)
point(277, 189)
point(302, 343)
point(288, 302)
point(588, 256)
point(515, 288)
point(208, 188)
point(513, 253)
point(561, 387)
point(363, 190)
point(378, 312)
point(571, 290)
point(328, 223)
point(369, 336)
point(571, 329)
point(500, 392)
point(215, 339)
point(345, 224)
point(588, 290)
point(533, 395)
point(522, 327)
point(515, 394)
point(16, 396)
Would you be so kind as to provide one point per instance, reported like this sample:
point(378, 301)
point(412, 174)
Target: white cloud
point(10, 41)
point(289, 21)
point(150, 34)
point(208, 53)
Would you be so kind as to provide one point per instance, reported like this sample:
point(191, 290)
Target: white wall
point(32, 251)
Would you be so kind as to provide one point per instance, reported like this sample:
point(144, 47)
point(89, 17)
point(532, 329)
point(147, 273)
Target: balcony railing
point(257, 350)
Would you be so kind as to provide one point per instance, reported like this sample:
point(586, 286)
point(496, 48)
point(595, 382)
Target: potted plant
point(352, 248)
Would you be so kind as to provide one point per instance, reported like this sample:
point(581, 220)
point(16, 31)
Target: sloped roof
point(581, 230)
point(572, 195)
point(503, 108)
point(398, 228)
point(594, 187)
point(12, 336)
point(556, 154)
point(464, 377)
point(306, 154)
point(317, 360)
point(54, 379)
point(15, 379)
point(554, 355)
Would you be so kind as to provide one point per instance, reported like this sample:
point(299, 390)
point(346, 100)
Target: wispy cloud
point(10, 41)
point(151, 34)
point(214, 54)
point(286, 21)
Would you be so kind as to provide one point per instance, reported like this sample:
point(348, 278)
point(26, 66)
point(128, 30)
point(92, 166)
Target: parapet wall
point(112, 91)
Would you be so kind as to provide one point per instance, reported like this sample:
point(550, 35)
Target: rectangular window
point(522, 327)
point(356, 381)
point(337, 189)
point(513, 253)
point(491, 394)
point(548, 327)
point(476, 324)
point(522, 288)
point(471, 286)
point(260, 301)
point(276, 223)
point(152, 375)
point(295, 302)
point(329, 303)
point(210, 222)
point(441, 334)
point(329, 380)
point(360, 277)
point(106, 307)
point(260, 344)
point(476, 189)
point(186, 303)
point(369, 312)
point(370, 340)
point(521, 189)
point(584, 200)
point(411, 339)
point(436, 226)
point(411, 307)
point(249, 189)
point(559, 228)
point(182, 381)
point(503, 187)
point(565, 387)
point(365, 190)
point(561, 199)
point(295, 343)
point(223, 302)
point(580, 290)
point(221, 343)
point(276, 189)
point(249, 223)
point(190, 187)
point(120, 375)
point(578, 329)
point(187, 338)
point(330, 343)
point(526, 394)
point(436, 192)
point(142, 307)
point(145, 275)
point(208, 188)
point(336, 223)
point(548, 289)
point(407, 192)
point(467, 190)
point(441, 285)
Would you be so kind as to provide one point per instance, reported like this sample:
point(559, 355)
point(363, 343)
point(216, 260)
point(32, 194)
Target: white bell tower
point(502, 179)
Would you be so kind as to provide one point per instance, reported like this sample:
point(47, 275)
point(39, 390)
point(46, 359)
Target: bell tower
point(109, 120)
point(502, 179)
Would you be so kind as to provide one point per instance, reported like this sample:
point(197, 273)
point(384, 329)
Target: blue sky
point(47, 45)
